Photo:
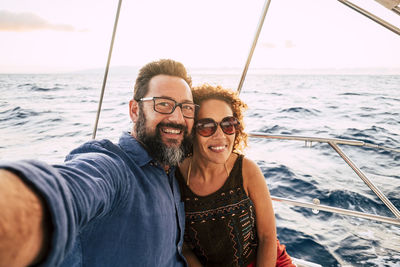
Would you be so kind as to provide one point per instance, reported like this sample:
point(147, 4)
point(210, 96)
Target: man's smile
point(169, 130)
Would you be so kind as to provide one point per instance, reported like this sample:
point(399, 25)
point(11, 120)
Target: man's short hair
point(162, 66)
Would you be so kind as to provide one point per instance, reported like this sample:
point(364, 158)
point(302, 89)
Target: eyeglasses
point(207, 127)
point(165, 105)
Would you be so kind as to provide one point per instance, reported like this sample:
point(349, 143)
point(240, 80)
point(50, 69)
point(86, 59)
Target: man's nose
point(177, 115)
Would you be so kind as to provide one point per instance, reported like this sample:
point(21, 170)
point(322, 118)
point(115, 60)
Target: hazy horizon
point(59, 37)
point(228, 70)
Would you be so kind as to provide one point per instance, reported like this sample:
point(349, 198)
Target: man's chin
point(172, 142)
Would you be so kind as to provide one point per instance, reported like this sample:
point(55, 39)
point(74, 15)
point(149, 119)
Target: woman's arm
point(257, 189)
point(191, 258)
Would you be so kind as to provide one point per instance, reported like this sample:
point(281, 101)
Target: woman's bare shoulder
point(250, 166)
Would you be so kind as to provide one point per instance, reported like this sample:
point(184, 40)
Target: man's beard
point(166, 155)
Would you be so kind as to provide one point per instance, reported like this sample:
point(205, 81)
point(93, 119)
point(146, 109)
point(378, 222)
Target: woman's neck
point(205, 177)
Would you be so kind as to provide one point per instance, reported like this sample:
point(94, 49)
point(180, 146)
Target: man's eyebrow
point(184, 101)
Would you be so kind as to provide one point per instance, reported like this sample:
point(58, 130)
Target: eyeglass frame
point(176, 104)
point(216, 124)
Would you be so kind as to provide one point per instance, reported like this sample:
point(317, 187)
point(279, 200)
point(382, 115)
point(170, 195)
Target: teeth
point(172, 131)
point(217, 147)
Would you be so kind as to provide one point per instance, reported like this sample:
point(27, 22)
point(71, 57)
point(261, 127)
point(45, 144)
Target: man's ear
point(133, 110)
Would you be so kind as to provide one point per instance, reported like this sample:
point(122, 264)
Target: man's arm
point(89, 185)
point(24, 236)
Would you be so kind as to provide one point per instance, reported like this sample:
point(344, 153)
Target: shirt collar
point(134, 149)
point(137, 152)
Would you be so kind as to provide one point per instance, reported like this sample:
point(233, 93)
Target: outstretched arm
point(90, 184)
point(23, 218)
point(257, 189)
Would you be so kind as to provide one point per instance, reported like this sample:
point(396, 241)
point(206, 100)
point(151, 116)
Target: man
point(107, 205)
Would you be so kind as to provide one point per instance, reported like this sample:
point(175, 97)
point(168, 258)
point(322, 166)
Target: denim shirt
point(110, 205)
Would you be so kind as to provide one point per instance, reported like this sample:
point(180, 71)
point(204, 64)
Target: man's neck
point(166, 168)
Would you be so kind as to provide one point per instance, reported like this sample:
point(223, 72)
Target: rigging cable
point(371, 16)
point(253, 46)
point(106, 70)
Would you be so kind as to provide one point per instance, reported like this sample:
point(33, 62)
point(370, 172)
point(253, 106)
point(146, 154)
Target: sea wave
point(46, 116)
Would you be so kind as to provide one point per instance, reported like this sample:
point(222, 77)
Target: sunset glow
point(48, 36)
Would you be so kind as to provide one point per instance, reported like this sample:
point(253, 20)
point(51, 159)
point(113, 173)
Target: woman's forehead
point(211, 108)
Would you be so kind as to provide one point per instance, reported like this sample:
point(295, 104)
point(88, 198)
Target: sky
point(39, 36)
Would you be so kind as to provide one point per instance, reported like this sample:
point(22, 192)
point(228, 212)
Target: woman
point(229, 214)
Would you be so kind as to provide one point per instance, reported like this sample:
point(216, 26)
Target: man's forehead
point(169, 86)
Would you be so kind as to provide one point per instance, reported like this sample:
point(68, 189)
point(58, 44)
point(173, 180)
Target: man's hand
point(23, 238)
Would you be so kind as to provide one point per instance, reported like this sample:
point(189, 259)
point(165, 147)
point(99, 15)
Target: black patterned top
point(220, 228)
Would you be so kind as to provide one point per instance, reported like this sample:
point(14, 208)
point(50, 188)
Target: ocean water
point(44, 116)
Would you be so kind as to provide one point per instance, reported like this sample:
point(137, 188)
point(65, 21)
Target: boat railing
point(334, 143)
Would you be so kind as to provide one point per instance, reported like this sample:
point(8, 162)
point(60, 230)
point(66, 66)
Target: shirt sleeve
point(91, 183)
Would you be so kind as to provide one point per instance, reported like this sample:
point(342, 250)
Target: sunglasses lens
point(206, 127)
point(229, 125)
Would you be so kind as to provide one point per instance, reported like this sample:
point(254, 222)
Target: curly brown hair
point(207, 91)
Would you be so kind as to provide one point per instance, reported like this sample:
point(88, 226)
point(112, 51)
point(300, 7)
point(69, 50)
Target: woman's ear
point(133, 110)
